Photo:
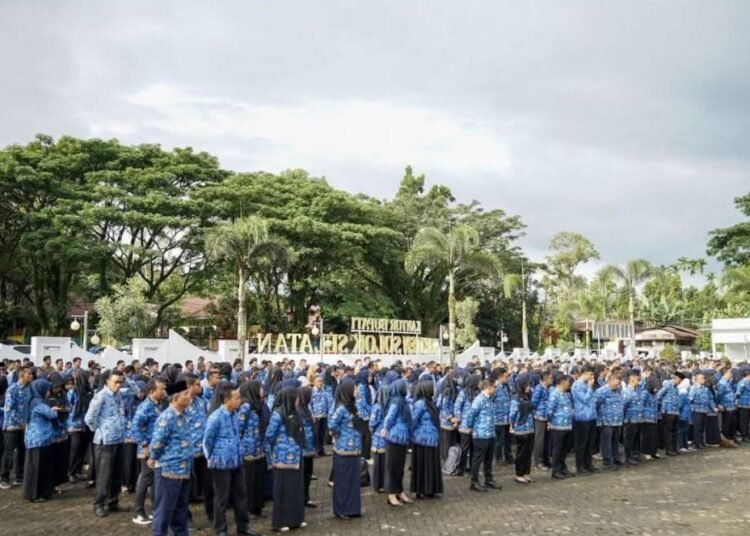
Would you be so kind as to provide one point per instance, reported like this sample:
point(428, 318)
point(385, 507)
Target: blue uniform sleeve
point(92, 414)
point(209, 435)
point(390, 417)
point(160, 436)
point(272, 432)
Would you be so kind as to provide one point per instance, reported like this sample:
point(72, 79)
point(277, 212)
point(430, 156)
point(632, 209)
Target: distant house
point(654, 339)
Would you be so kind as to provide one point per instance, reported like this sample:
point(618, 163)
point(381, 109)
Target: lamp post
point(76, 325)
point(503, 339)
point(443, 335)
point(318, 332)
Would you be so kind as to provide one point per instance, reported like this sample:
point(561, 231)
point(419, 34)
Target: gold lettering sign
point(354, 343)
point(385, 325)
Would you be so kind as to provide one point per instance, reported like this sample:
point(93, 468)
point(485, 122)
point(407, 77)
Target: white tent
point(179, 350)
point(9, 353)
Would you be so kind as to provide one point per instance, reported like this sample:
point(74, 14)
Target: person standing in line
point(364, 406)
point(397, 431)
point(304, 396)
point(347, 445)
point(539, 399)
point(522, 427)
point(283, 446)
point(221, 446)
point(38, 483)
point(649, 426)
point(669, 398)
point(253, 417)
point(196, 413)
point(426, 476)
point(701, 403)
point(105, 417)
point(17, 397)
point(481, 422)
point(320, 405)
point(448, 389)
point(584, 421)
point(560, 424)
point(463, 405)
point(377, 415)
point(79, 399)
point(609, 405)
point(144, 421)
point(171, 459)
point(742, 395)
point(501, 401)
point(632, 417)
point(727, 405)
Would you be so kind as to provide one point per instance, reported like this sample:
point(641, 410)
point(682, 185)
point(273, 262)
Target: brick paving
point(704, 492)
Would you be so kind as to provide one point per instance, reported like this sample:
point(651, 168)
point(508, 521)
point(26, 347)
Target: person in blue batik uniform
point(727, 404)
point(397, 429)
point(39, 438)
point(560, 425)
point(632, 417)
point(522, 427)
point(463, 405)
point(539, 398)
point(364, 406)
point(446, 403)
point(320, 405)
point(221, 446)
point(669, 398)
point(609, 406)
point(17, 398)
point(253, 416)
point(143, 429)
point(308, 451)
point(649, 425)
point(105, 417)
point(426, 477)
point(377, 415)
point(701, 403)
point(501, 401)
point(742, 395)
point(283, 445)
point(481, 422)
point(79, 399)
point(171, 458)
point(347, 446)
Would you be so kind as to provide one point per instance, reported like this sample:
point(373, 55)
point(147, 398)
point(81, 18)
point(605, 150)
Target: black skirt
point(347, 499)
point(378, 471)
point(426, 477)
point(649, 438)
point(395, 458)
point(713, 435)
point(288, 498)
point(38, 473)
point(448, 438)
point(61, 460)
point(255, 473)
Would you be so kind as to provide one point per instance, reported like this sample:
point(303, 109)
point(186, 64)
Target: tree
point(731, 245)
point(456, 253)
point(466, 330)
point(243, 243)
point(124, 314)
point(634, 273)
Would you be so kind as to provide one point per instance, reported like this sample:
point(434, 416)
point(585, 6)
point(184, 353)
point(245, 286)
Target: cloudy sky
point(628, 122)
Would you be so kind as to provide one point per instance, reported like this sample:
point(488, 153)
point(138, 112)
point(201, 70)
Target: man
point(143, 429)
point(208, 385)
point(189, 367)
point(221, 446)
point(480, 421)
point(172, 460)
point(727, 405)
point(669, 398)
point(46, 369)
point(701, 403)
point(501, 401)
point(560, 424)
point(105, 417)
point(321, 404)
point(584, 420)
point(742, 393)
point(539, 398)
point(196, 418)
point(17, 397)
point(633, 416)
point(609, 406)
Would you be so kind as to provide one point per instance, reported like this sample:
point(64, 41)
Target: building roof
point(666, 332)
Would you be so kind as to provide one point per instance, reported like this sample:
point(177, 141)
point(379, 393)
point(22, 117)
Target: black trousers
point(466, 452)
point(395, 458)
point(729, 424)
point(13, 455)
point(502, 443)
point(743, 416)
point(699, 429)
point(524, 444)
point(203, 476)
point(322, 425)
point(630, 437)
point(669, 425)
point(560, 447)
point(79, 445)
point(171, 512)
point(584, 443)
point(130, 466)
point(366, 436)
point(145, 482)
point(226, 482)
point(541, 443)
point(484, 450)
point(307, 469)
point(109, 467)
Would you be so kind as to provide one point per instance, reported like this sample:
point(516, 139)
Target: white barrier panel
point(153, 348)
point(347, 359)
point(7, 352)
point(229, 350)
point(109, 357)
point(179, 350)
point(55, 347)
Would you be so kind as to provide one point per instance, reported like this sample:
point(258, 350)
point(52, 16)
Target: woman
point(79, 399)
point(61, 447)
point(448, 418)
point(713, 432)
point(522, 427)
point(39, 438)
point(462, 407)
point(283, 444)
point(378, 441)
point(274, 377)
point(397, 428)
point(308, 450)
point(347, 447)
point(649, 426)
point(426, 476)
point(364, 406)
point(253, 418)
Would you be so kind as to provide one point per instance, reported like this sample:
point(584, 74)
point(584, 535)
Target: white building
point(734, 334)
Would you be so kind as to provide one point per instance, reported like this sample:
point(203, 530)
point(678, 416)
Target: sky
point(628, 122)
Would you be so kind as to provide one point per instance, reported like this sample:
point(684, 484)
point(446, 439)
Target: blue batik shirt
point(520, 427)
point(742, 393)
point(501, 401)
point(584, 405)
point(196, 418)
point(701, 399)
point(221, 440)
point(425, 432)
point(481, 417)
point(16, 398)
point(560, 410)
point(320, 403)
point(143, 425)
point(632, 405)
point(281, 449)
point(346, 438)
point(106, 418)
point(609, 406)
point(376, 426)
point(251, 443)
point(75, 420)
point(539, 398)
point(40, 430)
point(726, 395)
point(170, 445)
point(669, 398)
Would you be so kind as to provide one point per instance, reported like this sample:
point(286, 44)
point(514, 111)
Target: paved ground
point(705, 492)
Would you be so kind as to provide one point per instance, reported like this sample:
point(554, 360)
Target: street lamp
point(75, 325)
point(503, 339)
point(95, 340)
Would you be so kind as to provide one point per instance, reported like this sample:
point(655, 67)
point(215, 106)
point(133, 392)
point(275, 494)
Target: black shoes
point(100, 512)
point(476, 487)
point(492, 485)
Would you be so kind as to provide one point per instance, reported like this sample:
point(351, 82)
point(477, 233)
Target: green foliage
point(124, 314)
point(668, 353)
point(466, 330)
point(731, 245)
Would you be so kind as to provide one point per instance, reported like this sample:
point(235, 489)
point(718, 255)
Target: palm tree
point(634, 273)
point(511, 282)
point(458, 253)
point(243, 242)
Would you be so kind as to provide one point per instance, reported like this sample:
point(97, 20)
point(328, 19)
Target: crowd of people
point(229, 436)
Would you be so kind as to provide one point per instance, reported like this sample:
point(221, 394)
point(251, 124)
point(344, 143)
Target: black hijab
point(472, 386)
point(84, 392)
point(286, 406)
point(523, 397)
point(250, 392)
point(449, 387)
point(426, 391)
